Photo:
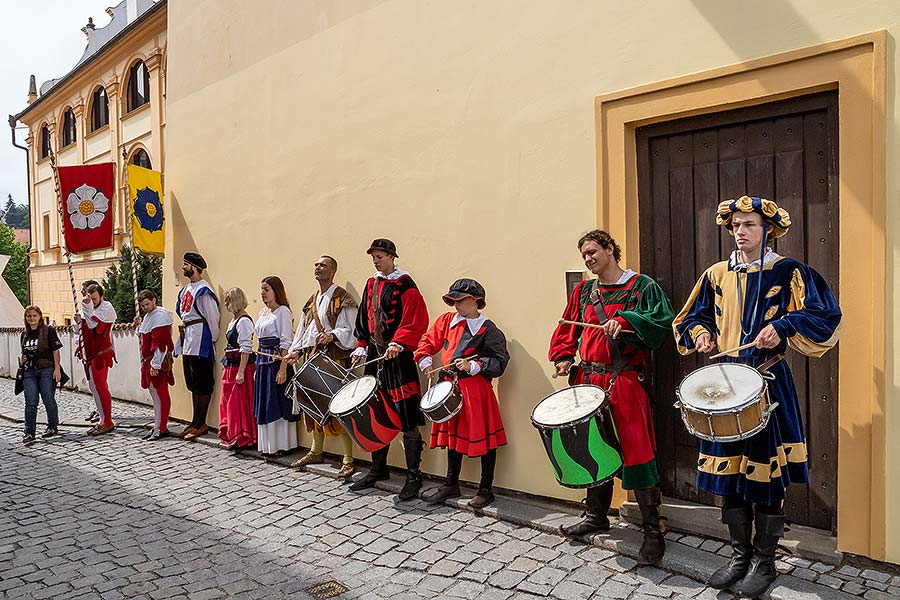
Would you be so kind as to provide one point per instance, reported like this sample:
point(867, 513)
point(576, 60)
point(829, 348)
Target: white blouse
point(277, 323)
point(245, 333)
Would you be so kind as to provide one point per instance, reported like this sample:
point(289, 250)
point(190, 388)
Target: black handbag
point(63, 377)
point(20, 380)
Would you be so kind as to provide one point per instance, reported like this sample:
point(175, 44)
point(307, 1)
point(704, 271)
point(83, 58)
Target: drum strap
point(314, 309)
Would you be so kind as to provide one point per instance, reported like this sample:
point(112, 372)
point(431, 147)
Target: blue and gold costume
point(734, 302)
point(801, 307)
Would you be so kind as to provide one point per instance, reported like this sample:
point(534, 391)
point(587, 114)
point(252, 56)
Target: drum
point(366, 413)
point(724, 402)
point(441, 402)
point(579, 436)
point(315, 384)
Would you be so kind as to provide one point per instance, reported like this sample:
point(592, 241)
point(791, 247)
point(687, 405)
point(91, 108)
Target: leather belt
point(604, 369)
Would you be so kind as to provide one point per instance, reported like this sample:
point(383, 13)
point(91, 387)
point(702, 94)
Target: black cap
point(194, 259)
point(465, 288)
point(383, 245)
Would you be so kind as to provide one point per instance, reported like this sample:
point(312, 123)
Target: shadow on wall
point(736, 23)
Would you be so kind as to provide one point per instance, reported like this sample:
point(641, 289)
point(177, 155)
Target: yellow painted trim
point(857, 68)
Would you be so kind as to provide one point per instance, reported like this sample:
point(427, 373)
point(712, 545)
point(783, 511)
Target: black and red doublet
point(393, 311)
point(477, 428)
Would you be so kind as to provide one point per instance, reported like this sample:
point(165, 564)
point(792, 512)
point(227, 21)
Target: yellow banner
point(148, 223)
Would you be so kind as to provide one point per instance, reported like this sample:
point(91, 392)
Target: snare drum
point(442, 402)
point(315, 384)
point(724, 402)
point(366, 413)
point(579, 436)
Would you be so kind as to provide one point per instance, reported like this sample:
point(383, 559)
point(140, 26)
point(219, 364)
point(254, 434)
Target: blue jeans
point(40, 382)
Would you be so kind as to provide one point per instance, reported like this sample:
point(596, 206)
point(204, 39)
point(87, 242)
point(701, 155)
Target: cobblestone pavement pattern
point(114, 517)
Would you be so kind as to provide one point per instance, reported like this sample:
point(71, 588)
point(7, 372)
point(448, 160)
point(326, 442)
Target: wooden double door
point(785, 151)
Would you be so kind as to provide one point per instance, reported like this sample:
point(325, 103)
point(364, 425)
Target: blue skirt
point(270, 403)
point(759, 469)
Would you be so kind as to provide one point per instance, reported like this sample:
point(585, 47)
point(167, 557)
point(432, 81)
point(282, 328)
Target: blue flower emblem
point(148, 209)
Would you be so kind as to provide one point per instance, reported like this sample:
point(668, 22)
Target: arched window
point(99, 109)
point(138, 86)
point(68, 132)
point(45, 141)
point(141, 159)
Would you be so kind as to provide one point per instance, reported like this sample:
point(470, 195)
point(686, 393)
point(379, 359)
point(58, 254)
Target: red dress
point(478, 427)
point(159, 338)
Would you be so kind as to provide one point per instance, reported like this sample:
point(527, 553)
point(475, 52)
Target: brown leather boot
point(594, 519)
point(654, 544)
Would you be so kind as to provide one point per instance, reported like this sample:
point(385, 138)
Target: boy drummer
point(473, 350)
point(635, 316)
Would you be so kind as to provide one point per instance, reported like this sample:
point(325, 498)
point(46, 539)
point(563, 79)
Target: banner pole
point(62, 232)
point(130, 230)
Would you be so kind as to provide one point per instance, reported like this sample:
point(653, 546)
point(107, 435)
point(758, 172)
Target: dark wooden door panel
point(785, 151)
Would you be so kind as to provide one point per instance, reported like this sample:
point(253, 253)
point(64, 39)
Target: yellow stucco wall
point(52, 292)
point(463, 131)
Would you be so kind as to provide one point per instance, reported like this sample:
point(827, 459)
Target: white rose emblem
point(87, 207)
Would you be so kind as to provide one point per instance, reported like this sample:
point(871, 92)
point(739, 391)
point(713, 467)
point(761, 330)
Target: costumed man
point(94, 416)
point(329, 317)
point(198, 309)
point(635, 316)
point(776, 302)
point(155, 331)
point(473, 350)
point(97, 352)
point(392, 319)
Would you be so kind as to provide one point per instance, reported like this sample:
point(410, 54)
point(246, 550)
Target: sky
point(44, 39)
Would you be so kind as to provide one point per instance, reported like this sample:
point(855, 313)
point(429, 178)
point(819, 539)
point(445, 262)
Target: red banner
point(87, 193)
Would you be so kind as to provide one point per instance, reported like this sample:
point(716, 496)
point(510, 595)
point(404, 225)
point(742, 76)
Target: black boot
point(377, 472)
point(413, 450)
point(740, 529)
point(654, 544)
point(596, 506)
point(762, 572)
point(450, 489)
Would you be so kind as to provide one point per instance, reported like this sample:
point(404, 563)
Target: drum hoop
point(574, 422)
point(453, 387)
point(746, 403)
point(356, 407)
point(729, 411)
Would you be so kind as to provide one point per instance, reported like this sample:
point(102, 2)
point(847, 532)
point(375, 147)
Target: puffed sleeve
point(245, 335)
point(413, 321)
point(564, 342)
point(343, 327)
point(697, 316)
point(814, 321)
point(284, 322)
point(493, 355)
point(651, 318)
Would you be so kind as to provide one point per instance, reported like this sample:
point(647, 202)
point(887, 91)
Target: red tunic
point(639, 305)
point(478, 427)
point(96, 344)
point(159, 338)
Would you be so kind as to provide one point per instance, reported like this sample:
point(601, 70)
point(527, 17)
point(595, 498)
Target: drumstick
point(275, 356)
point(432, 371)
point(594, 325)
point(738, 349)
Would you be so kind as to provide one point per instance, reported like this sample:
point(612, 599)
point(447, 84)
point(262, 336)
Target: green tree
point(117, 285)
point(15, 271)
point(16, 214)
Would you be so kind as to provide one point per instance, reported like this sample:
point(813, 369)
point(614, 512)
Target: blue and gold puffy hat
point(778, 218)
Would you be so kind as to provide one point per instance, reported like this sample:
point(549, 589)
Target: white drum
point(724, 402)
point(441, 402)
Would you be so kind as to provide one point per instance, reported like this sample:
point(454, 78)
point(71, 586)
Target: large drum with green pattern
point(579, 435)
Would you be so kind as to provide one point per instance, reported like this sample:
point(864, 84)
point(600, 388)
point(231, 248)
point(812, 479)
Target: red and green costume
point(638, 304)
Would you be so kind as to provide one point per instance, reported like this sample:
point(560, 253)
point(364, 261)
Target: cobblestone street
point(115, 517)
